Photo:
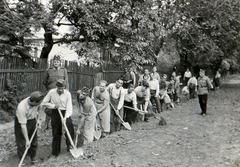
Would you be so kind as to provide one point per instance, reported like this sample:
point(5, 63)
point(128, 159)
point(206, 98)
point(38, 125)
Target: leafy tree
point(18, 22)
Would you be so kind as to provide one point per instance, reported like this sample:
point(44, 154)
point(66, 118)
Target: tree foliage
point(134, 31)
point(17, 22)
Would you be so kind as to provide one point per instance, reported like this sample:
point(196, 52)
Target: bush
point(10, 98)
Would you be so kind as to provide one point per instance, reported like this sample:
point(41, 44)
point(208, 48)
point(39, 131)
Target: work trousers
point(20, 140)
point(192, 91)
point(57, 131)
point(203, 103)
point(130, 115)
point(156, 99)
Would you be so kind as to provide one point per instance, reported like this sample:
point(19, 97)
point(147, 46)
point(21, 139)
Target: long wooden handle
point(26, 150)
point(115, 112)
point(65, 126)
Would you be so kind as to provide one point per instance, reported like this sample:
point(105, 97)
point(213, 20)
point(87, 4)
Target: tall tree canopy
point(134, 31)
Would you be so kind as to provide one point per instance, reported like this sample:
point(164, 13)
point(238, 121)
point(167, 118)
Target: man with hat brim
point(25, 124)
point(87, 115)
point(203, 85)
point(59, 98)
point(51, 76)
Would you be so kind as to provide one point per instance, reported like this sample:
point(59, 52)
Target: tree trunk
point(48, 43)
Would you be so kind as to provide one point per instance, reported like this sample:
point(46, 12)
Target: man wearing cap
point(51, 76)
point(59, 98)
point(101, 99)
point(87, 115)
point(25, 124)
point(203, 85)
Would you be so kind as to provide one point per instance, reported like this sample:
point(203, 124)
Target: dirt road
point(188, 139)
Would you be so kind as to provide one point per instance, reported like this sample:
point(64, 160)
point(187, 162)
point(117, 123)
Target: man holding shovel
point(59, 99)
point(116, 92)
point(100, 97)
point(25, 124)
point(87, 115)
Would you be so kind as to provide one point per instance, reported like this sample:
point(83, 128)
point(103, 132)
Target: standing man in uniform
point(101, 99)
point(51, 76)
point(127, 78)
point(87, 115)
point(25, 124)
point(116, 93)
point(204, 84)
point(60, 99)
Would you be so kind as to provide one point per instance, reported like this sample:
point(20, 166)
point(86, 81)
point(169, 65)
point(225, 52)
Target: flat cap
point(57, 57)
point(36, 96)
point(61, 83)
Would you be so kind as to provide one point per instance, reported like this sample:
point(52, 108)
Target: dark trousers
point(203, 103)
point(156, 99)
point(130, 115)
point(57, 131)
point(20, 140)
point(192, 91)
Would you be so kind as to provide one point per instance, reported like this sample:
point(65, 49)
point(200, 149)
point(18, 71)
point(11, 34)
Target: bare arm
point(25, 134)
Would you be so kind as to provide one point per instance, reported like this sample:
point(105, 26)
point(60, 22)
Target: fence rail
point(28, 75)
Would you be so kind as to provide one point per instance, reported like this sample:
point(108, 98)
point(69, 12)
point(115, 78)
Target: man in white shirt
point(25, 124)
point(155, 74)
point(116, 93)
point(154, 91)
point(187, 76)
point(192, 87)
point(60, 98)
point(130, 100)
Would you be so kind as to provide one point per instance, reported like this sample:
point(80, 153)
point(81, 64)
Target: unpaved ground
point(188, 139)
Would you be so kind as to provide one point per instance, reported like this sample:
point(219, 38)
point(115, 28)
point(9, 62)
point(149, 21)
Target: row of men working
point(105, 106)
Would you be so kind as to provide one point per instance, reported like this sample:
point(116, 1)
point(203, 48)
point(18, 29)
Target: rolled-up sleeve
point(69, 106)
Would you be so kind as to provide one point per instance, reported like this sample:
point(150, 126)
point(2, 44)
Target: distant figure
point(127, 78)
point(164, 98)
point(192, 87)
point(176, 87)
point(101, 100)
point(144, 77)
point(154, 91)
point(204, 84)
point(155, 74)
point(216, 80)
point(130, 100)
point(187, 76)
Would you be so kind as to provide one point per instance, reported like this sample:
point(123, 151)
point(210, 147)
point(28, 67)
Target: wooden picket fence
point(28, 75)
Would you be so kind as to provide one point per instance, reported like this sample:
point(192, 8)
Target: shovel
point(76, 152)
point(98, 131)
point(125, 124)
point(26, 150)
point(139, 111)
